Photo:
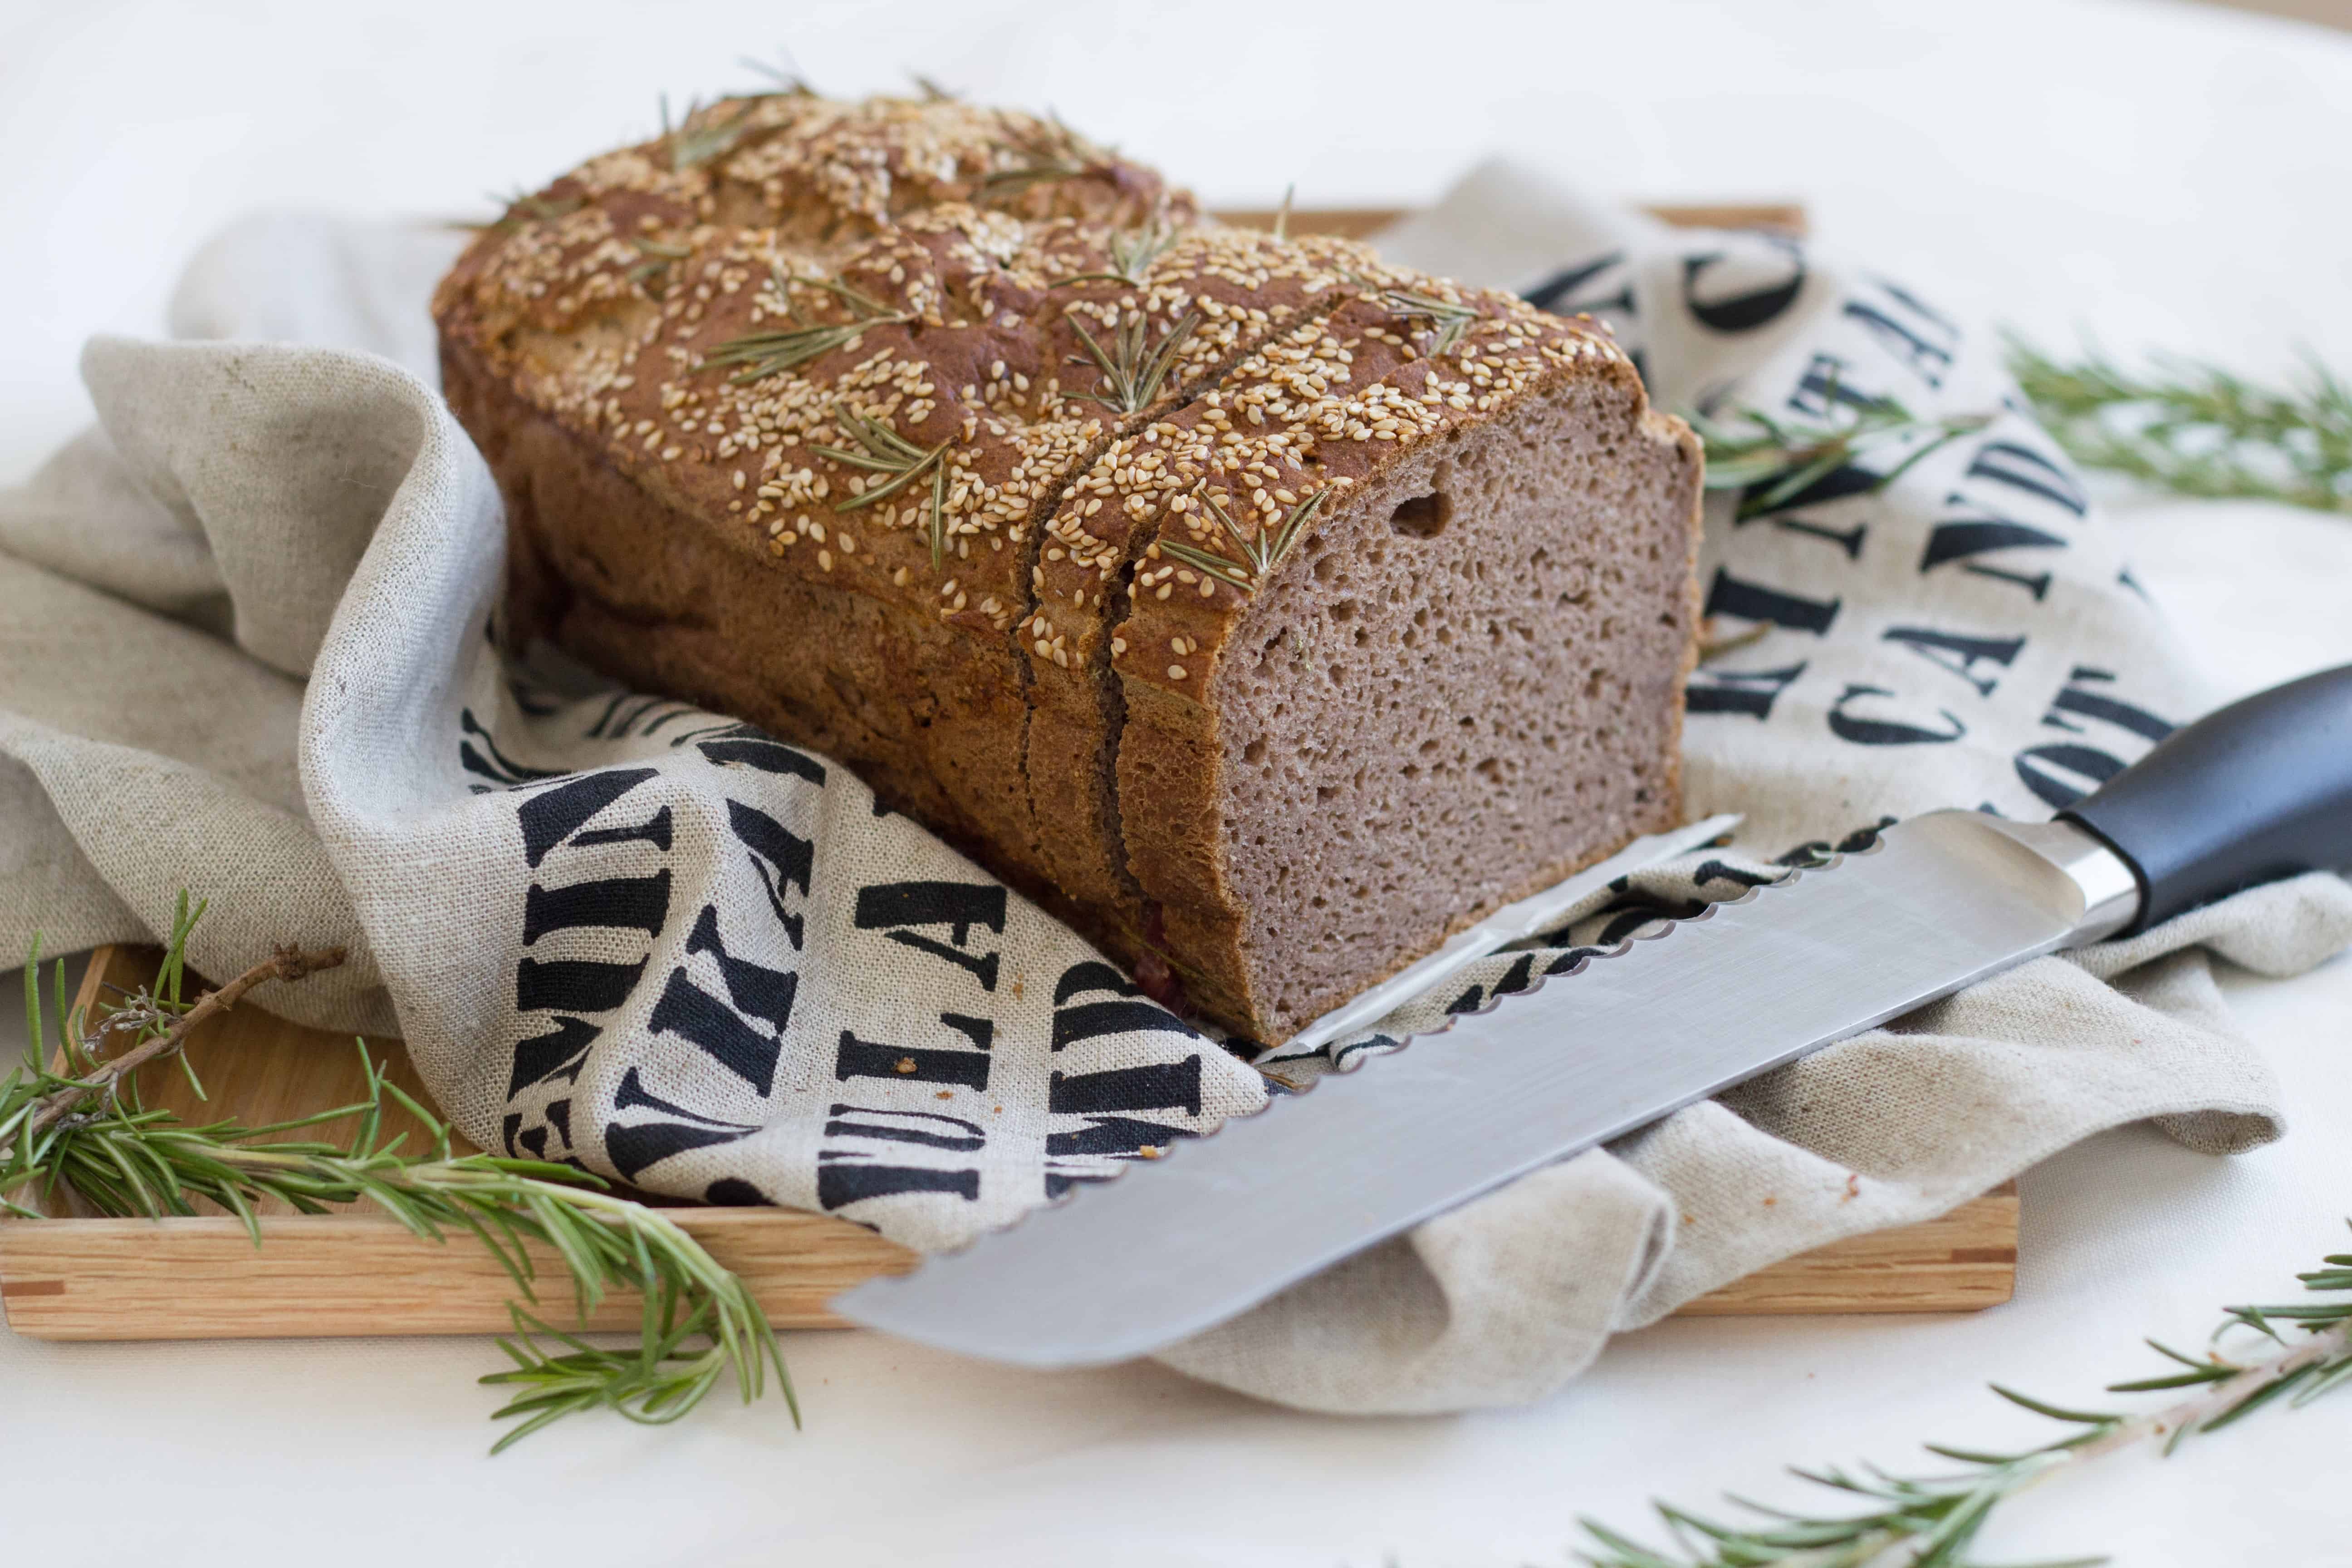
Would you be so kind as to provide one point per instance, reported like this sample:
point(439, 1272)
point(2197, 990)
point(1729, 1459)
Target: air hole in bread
point(1422, 517)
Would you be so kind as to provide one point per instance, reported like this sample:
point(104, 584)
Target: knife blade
point(2259, 790)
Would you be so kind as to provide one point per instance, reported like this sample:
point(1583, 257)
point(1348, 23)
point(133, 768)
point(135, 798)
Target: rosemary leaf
point(1132, 252)
point(1039, 154)
point(658, 257)
point(759, 355)
point(1133, 369)
point(1775, 459)
point(519, 204)
point(692, 145)
point(1215, 565)
point(2197, 429)
point(1447, 319)
point(1260, 552)
point(785, 80)
point(883, 450)
point(1931, 1521)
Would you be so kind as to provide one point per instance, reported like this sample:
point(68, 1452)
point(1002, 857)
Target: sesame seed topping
point(968, 358)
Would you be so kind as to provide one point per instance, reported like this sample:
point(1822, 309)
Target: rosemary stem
point(287, 964)
point(82, 1129)
point(2223, 1397)
point(1932, 1522)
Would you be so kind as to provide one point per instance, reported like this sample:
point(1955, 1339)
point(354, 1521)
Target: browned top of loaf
point(746, 360)
point(889, 341)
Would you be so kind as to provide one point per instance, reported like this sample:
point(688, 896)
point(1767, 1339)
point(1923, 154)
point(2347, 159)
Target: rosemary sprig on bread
point(1135, 367)
point(884, 451)
point(702, 136)
point(1447, 319)
point(1261, 552)
point(763, 354)
point(1040, 152)
point(1132, 252)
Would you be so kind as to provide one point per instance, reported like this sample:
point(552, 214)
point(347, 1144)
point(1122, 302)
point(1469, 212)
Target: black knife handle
point(2251, 793)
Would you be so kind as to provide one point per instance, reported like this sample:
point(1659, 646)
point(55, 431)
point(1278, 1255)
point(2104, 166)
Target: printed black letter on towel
point(591, 885)
point(1093, 1003)
point(892, 908)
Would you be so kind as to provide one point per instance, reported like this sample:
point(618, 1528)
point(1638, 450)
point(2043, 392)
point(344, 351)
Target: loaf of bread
point(1267, 611)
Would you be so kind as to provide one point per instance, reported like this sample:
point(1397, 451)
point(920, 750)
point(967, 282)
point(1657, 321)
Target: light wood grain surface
point(78, 1277)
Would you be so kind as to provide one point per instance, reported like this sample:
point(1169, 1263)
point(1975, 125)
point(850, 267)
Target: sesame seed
point(1175, 672)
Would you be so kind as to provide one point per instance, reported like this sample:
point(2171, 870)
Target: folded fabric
point(248, 621)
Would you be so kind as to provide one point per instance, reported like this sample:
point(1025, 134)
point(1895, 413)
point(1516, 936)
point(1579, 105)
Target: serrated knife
point(2260, 790)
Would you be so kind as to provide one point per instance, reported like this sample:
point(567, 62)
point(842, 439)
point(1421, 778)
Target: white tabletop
point(2156, 174)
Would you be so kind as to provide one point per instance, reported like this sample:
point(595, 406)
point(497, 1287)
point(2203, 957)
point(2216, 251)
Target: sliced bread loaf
point(1265, 611)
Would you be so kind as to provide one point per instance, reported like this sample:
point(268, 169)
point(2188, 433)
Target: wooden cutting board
point(357, 1273)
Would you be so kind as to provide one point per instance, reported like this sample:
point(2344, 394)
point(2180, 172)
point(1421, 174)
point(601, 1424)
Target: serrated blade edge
point(1166, 1250)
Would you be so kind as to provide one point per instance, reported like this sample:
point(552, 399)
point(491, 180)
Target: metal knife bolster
point(2111, 894)
point(1162, 1252)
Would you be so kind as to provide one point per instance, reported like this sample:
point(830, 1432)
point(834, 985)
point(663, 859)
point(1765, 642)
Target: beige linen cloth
point(244, 651)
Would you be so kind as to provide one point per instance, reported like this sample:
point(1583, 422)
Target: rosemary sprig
point(2197, 429)
point(1133, 368)
point(692, 145)
point(85, 1129)
point(1932, 1522)
point(1044, 152)
point(884, 451)
point(546, 209)
point(1786, 457)
point(787, 79)
point(1132, 252)
point(1448, 320)
point(658, 257)
point(1260, 552)
point(763, 354)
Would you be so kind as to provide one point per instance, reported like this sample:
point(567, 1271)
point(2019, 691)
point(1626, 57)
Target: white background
point(2153, 174)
